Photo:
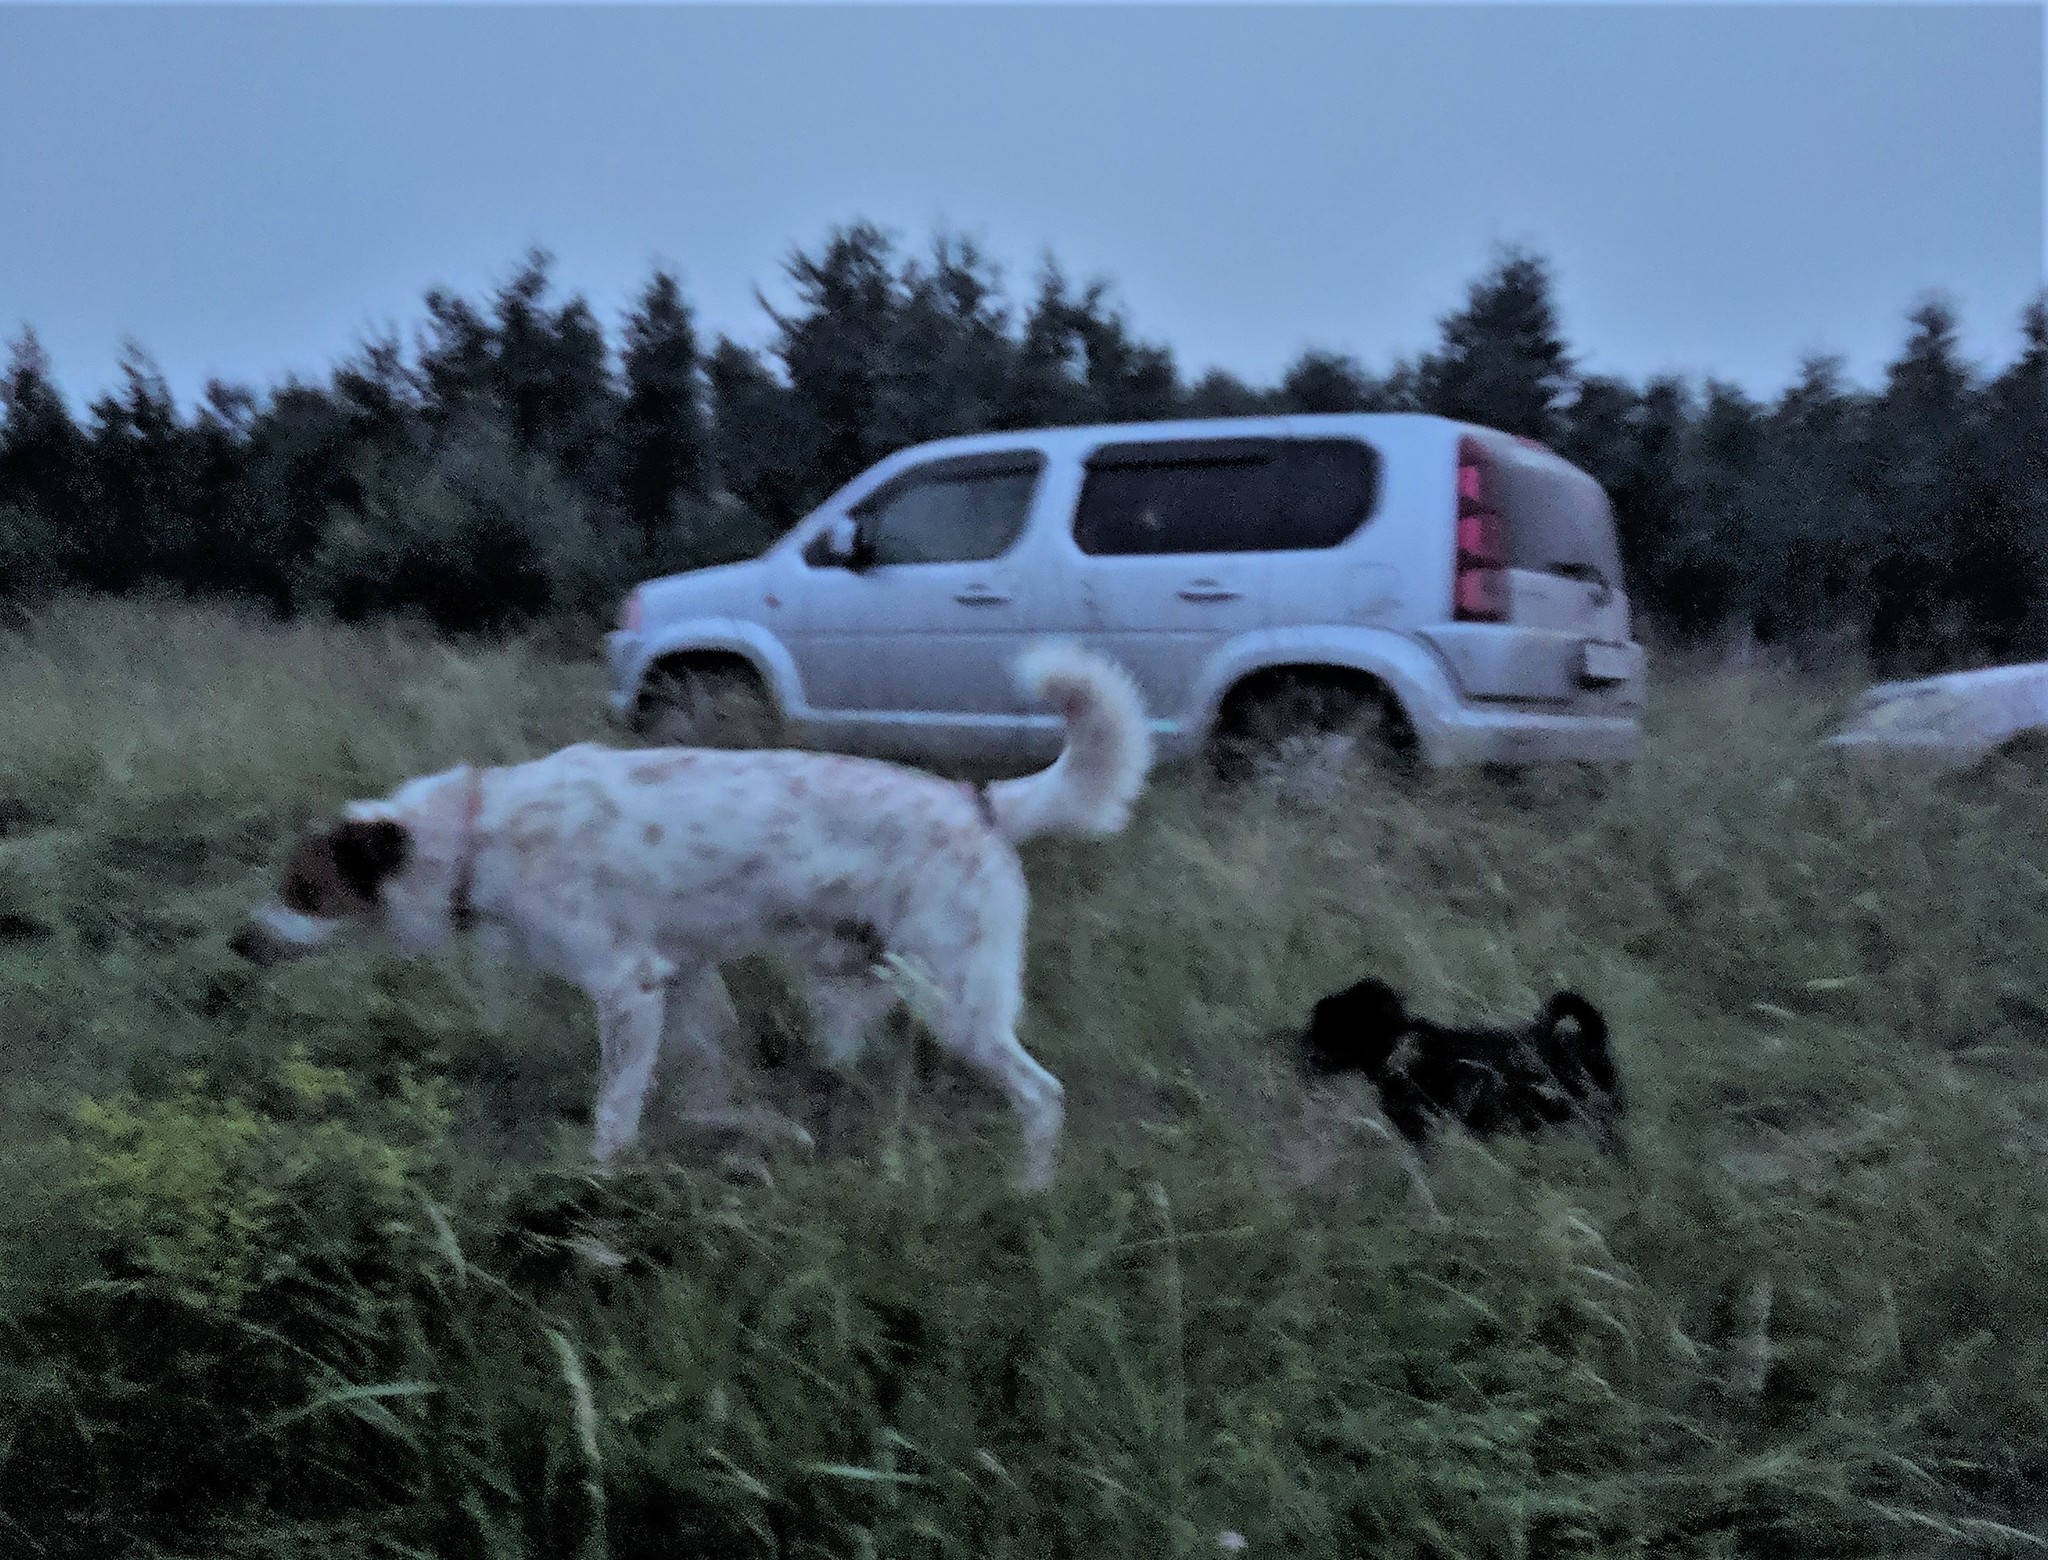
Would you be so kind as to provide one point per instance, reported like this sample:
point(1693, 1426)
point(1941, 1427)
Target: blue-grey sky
point(248, 191)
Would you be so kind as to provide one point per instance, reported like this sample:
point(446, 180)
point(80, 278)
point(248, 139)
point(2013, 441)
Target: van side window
point(1330, 487)
point(1226, 495)
point(965, 510)
point(1189, 496)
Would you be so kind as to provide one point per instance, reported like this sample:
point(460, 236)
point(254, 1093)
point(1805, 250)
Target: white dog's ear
point(367, 851)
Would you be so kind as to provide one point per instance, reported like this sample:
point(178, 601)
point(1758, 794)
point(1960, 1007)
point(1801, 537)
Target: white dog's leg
point(697, 1046)
point(629, 1015)
point(980, 1027)
point(696, 1043)
point(845, 1010)
point(1035, 1094)
point(968, 945)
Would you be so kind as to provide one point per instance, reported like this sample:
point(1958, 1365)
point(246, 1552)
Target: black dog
point(1557, 1069)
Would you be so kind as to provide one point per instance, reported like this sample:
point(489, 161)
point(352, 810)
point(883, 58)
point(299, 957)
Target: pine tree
point(308, 450)
point(1503, 362)
point(457, 377)
point(1922, 481)
point(1329, 382)
point(381, 394)
point(141, 525)
point(765, 438)
point(1646, 494)
point(2002, 567)
point(551, 373)
point(226, 548)
point(664, 435)
point(1222, 394)
point(950, 358)
point(44, 476)
point(1598, 430)
point(1128, 380)
point(1047, 384)
point(1811, 524)
point(837, 347)
point(1707, 564)
point(1079, 361)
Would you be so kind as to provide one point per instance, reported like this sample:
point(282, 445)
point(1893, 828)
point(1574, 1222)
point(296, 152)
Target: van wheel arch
point(1269, 712)
point(2019, 759)
point(707, 698)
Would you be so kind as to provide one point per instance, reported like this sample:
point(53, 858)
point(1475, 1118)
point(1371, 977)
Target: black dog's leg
point(1406, 1107)
point(1407, 1135)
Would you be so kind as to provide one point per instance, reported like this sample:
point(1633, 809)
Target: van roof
point(1059, 438)
point(1419, 431)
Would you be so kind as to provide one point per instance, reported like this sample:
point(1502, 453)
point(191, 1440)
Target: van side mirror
point(841, 546)
point(853, 544)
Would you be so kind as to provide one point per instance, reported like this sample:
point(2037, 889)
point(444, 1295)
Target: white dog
point(635, 874)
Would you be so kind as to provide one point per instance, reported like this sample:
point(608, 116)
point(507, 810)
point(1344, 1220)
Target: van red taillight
point(1480, 542)
point(1480, 594)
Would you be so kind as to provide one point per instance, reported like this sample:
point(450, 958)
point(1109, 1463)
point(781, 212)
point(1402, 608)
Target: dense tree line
point(512, 462)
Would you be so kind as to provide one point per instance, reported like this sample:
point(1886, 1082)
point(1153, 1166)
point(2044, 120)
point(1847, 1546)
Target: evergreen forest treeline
point(514, 462)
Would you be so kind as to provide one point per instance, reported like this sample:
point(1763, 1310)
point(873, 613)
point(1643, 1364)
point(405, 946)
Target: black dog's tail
point(1591, 1052)
point(1585, 1056)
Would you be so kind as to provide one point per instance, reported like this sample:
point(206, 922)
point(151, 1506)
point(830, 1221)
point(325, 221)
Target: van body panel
point(1194, 553)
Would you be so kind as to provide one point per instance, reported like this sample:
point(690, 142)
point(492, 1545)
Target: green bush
point(28, 552)
point(479, 534)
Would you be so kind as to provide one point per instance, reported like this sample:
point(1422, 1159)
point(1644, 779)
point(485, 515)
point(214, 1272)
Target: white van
point(1259, 577)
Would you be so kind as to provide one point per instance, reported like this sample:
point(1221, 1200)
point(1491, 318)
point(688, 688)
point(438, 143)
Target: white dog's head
point(334, 880)
point(397, 868)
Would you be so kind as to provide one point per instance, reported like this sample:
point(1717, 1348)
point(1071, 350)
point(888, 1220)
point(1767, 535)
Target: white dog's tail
point(1099, 773)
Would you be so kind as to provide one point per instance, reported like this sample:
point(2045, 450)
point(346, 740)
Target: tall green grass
point(310, 1263)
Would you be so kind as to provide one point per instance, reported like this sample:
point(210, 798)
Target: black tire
point(1284, 725)
point(716, 705)
point(2020, 762)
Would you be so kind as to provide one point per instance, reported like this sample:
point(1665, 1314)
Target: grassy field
point(309, 1263)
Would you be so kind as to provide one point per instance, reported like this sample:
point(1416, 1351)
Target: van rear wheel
point(715, 706)
point(2020, 762)
point(1309, 732)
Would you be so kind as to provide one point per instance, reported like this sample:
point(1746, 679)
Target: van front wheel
point(1307, 730)
point(714, 706)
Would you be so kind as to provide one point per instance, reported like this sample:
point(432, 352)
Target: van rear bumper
point(1522, 737)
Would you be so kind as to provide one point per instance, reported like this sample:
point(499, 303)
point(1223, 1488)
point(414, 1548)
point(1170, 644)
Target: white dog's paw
point(759, 1123)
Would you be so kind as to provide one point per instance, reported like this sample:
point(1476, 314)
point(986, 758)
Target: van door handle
point(1207, 590)
point(981, 596)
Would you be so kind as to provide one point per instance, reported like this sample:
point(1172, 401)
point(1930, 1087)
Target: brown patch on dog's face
point(313, 884)
point(330, 878)
point(337, 874)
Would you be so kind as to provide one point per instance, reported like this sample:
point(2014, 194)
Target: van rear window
point(1190, 505)
point(1559, 519)
point(1225, 495)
